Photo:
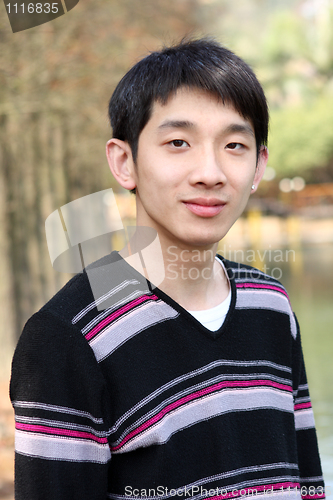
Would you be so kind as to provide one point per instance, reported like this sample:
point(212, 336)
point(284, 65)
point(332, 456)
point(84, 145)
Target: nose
point(208, 169)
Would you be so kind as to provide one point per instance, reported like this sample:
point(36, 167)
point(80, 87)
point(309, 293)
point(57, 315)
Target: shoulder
point(71, 297)
point(246, 276)
point(84, 290)
point(51, 326)
point(258, 290)
point(88, 297)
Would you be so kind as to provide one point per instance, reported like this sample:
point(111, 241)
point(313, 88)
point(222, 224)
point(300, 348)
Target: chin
point(201, 240)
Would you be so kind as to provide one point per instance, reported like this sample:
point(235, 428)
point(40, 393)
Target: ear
point(120, 159)
point(261, 166)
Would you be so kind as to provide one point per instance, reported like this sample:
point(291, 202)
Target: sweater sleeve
point(311, 479)
point(61, 405)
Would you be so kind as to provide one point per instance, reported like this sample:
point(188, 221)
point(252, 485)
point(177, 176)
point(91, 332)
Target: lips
point(205, 207)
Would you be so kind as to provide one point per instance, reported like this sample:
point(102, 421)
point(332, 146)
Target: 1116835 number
point(31, 8)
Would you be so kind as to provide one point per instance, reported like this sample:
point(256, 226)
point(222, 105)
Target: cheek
point(241, 177)
point(241, 183)
point(163, 176)
point(149, 168)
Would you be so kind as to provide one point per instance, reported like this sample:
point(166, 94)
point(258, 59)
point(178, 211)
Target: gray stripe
point(129, 325)
point(310, 479)
point(250, 484)
point(302, 400)
point(55, 448)
point(101, 299)
point(208, 407)
point(303, 387)
point(61, 424)
point(304, 419)
point(244, 470)
point(195, 388)
point(258, 299)
point(258, 281)
point(194, 373)
point(58, 409)
point(104, 314)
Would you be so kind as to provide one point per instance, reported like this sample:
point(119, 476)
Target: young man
point(195, 388)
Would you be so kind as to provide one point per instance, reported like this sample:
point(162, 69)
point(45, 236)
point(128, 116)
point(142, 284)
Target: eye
point(234, 145)
point(179, 143)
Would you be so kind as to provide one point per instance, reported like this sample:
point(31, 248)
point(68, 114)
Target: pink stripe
point(265, 488)
point(302, 405)
point(115, 315)
point(59, 432)
point(270, 287)
point(306, 497)
point(196, 395)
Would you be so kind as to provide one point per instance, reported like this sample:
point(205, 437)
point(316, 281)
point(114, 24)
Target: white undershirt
point(213, 318)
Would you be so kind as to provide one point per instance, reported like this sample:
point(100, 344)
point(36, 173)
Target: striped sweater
point(122, 393)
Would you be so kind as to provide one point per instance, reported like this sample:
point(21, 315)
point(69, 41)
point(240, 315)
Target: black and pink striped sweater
point(125, 394)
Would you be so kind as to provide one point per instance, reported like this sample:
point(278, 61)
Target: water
point(308, 279)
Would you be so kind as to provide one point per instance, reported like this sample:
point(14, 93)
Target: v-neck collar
point(183, 312)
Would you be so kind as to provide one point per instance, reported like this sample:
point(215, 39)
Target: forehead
point(197, 107)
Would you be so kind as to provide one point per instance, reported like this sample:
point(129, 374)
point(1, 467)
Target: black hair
point(202, 64)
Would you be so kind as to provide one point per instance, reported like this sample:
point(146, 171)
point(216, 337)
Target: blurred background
point(55, 83)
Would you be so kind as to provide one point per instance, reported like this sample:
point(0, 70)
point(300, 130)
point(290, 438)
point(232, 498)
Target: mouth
point(205, 207)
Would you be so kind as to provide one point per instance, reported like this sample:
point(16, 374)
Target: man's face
point(196, 163)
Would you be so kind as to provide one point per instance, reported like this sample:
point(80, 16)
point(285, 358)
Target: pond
point(307, 274)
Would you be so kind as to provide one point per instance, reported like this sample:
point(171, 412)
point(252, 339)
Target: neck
point(192, 276)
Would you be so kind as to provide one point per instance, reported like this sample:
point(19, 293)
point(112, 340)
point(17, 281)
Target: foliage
point(301, 137)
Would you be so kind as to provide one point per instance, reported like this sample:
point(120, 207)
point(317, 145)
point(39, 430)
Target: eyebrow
point(237, 128)
point(177, 124)
point(231, 129)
